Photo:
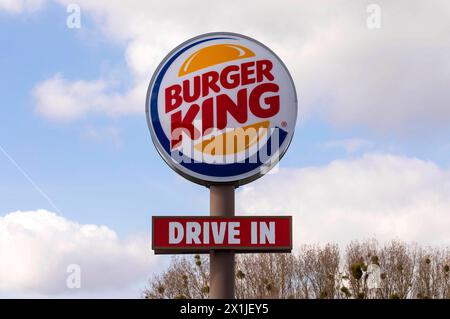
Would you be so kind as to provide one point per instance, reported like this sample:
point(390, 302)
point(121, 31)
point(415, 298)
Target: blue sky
point(65, 164)
point(101, 168)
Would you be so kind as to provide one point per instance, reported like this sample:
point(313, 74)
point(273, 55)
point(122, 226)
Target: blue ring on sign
point(216, 170)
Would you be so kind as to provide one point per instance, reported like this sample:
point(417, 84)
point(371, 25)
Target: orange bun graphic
point(225, 143)
point(213, 55)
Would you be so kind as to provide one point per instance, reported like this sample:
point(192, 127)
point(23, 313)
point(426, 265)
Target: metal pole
point(221, 269)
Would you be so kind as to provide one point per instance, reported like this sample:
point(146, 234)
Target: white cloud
point(19, 6)
point(394, 78)
point(351, 145)
point(60, 99)
point(57, 98)
point(36, 248)
point(376, 195)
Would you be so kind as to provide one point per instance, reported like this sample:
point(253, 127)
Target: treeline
point(406, 271)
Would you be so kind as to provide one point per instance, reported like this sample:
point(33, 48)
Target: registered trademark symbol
point(284, 124)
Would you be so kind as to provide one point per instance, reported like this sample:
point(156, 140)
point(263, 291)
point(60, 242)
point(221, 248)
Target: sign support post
point(222, 263)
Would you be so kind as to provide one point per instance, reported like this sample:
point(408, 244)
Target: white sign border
point(237, 180)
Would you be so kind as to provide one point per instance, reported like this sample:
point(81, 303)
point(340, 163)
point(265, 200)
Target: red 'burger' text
point(210, 87)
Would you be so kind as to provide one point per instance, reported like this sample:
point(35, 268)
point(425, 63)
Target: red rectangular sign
point(201, 234)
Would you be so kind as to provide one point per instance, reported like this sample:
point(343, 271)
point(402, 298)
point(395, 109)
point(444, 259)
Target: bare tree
point(358, 256)
point(398, 262)
point(407, 271)
point(183, 280)
point(319, 268)
point(265, 276)
point(432, 274)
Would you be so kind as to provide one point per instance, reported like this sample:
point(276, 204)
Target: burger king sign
point(221, 109)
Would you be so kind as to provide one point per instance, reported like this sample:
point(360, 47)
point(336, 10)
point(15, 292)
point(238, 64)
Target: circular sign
point(221, 108)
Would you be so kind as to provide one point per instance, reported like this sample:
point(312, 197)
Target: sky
point(80, 178)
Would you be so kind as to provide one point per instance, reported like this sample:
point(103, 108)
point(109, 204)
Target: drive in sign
point(201, 234)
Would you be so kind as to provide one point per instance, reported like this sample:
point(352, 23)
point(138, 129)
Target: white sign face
point(221, 108)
